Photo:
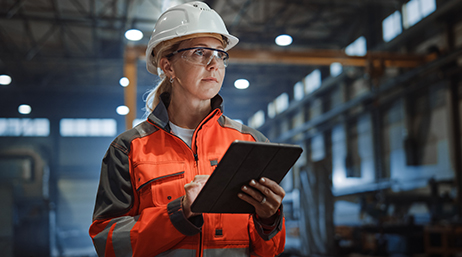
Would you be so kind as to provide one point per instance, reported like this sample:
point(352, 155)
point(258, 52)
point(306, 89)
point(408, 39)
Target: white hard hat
point(183, 20)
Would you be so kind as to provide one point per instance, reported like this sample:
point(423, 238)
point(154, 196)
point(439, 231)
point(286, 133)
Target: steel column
point(130, 72)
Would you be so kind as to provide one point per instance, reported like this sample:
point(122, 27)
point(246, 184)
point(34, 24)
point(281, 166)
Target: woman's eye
point(199, 52)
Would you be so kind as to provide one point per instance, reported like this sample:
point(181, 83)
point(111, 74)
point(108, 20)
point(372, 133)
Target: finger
point(201, 179)
point(191, 186)
point(249, 199)
point(264, 210)
point(273, 186)
point(266, 191)
point(192, 189)
point(255, 194)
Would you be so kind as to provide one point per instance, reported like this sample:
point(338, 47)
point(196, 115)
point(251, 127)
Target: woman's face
point(195, 81)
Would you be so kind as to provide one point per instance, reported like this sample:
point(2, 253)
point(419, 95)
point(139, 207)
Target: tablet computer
point(242, 162)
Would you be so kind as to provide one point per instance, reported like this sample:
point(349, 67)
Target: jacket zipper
point(212, 114)
point(200, 244)
point(196, 132)
point(196, 159)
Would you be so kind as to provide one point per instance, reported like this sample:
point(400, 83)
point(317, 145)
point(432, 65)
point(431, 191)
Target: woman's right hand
point(192, 189)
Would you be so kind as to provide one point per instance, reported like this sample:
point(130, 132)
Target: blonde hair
point(161, 51)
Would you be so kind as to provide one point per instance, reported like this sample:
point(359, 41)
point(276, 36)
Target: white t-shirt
point(183, 133)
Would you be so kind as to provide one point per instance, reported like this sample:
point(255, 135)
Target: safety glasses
point(203, 56)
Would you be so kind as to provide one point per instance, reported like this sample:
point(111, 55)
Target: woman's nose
point(213, 62)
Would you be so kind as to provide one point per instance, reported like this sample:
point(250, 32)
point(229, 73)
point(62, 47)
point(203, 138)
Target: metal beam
point(14, 9)
point(241, 12)
point(41, 42)
point(80, 9)
point(327, 57)
point(456, 145)
point(76, 20)
point(321, 57)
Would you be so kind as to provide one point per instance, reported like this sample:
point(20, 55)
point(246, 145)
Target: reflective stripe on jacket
point(138, 204)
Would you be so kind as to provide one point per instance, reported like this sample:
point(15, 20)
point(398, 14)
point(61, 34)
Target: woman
point(144, 198)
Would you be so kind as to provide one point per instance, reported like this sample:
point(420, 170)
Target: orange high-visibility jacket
point(138, 209)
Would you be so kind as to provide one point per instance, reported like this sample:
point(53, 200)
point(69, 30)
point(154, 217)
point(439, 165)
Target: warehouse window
point(298, 91)
point(280, 104)
point(87, 127)
point(336, 69)
point(357, 48)
point(271, 110)
point(312, 81)
point(415, 10)
point(391, 26)
point(15, 127)
point(257, 119)
point(318, 151)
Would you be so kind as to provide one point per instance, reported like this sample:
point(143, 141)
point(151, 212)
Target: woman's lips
point(210, 79)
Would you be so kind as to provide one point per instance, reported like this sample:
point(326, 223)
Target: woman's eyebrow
point(204, 45)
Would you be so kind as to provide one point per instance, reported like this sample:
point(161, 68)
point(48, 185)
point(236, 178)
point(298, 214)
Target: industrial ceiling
point(67, 56)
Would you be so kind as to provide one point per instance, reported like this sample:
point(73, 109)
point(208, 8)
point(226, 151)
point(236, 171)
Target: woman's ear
point(166, 66)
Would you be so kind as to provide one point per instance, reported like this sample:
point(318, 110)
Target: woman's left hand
point(265, 195)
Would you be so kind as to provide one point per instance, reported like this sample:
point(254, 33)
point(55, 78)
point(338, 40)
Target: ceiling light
point(283, 40)
point(122, 110)
point(134, 34)
point(124, 81)
point(241, 84)
point(24, 109)
point(5, 80)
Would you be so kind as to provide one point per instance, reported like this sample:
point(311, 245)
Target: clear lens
point(204, 56)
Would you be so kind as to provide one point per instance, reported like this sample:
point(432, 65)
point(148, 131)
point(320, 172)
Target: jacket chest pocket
point(159, 182)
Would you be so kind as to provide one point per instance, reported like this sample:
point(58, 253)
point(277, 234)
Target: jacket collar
point(160, 114)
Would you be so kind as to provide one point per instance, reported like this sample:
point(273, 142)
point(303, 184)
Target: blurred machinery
point(27, 215)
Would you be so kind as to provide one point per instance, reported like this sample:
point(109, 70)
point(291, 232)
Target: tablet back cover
point(243, 162)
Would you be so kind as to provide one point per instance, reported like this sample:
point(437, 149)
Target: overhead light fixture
point(24, 109)
point(122, 110)
point(283, 40)
point(241, 84)
point(124, 81)
point(5, 80)
point(134, 34)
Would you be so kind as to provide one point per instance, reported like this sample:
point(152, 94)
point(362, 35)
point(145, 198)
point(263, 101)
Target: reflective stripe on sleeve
point(120, 236)
point(227, 252)
point(178, 253)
